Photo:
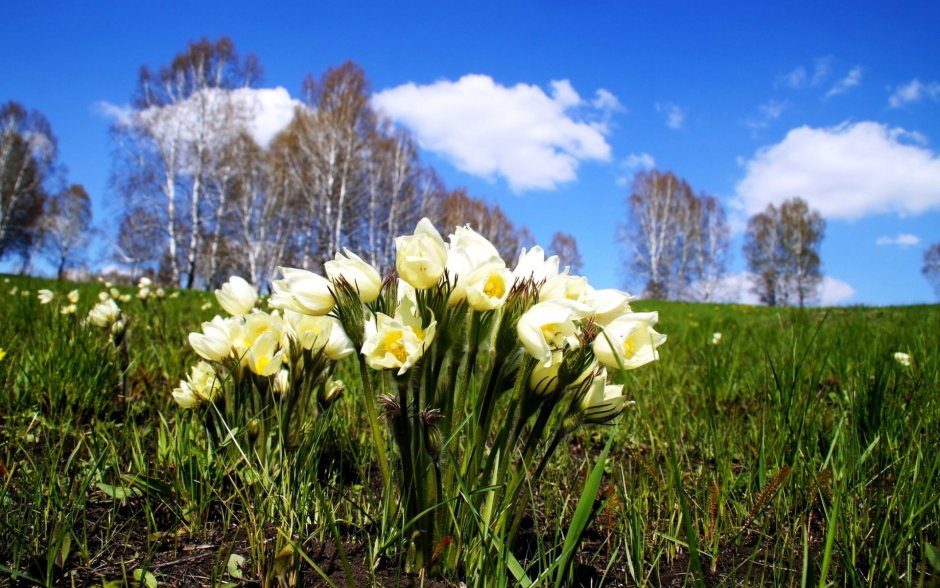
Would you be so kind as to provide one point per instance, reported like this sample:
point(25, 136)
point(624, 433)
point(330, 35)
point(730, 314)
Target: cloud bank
point(737, 288)
point(532, 139)
point(846, 172)
point(901, 240)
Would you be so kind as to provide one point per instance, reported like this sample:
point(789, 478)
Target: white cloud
point(834, 291)
point(633, 163)
point(846, 172)
point(914, 91)
point(533, 140)
point(799, 78)
point(675, 115)
point(795, 79)
point(901, 240)
point(262, 112)
point(738, 288)
point(851, 79)
point(767, 113)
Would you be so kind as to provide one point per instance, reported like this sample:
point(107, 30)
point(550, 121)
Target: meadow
point(796, 449)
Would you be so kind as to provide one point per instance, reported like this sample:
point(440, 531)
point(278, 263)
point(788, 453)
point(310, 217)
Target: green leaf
point(235, 565)
point(118, 492)
point(144, 577)
point(583, 514)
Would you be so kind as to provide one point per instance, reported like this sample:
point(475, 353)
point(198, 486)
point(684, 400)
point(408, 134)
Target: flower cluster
point(457, 338)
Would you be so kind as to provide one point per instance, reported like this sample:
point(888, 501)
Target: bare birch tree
point(782, 250)
point(183, 116)
point(66, 228)
point(27, 164)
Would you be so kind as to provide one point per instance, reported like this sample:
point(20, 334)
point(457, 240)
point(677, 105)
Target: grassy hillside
point(797, 450)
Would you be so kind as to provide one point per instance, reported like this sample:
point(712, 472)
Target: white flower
point(214, 342)
point(603, 402)
point(115, 293)
point(902, 358)
point(550, 326)
point(236, 296)
point(467, 252)
point(144, 282)
point(143, 293)
point(544, 377)
point(532, 264)
point(397, 342)
point(488, 286)
point(716, 338)
point(281, 382)
point(608, 304)
point(302, 291)
point(103, 297)
point(311, 332)
point(421, 257)
point(45, 296)
point(247, 330)
point(629, 340)
point(202, 385)
point(339, 344)
point(70, 309)
point(105, 313)
point(73, 296)
point(565, 287)
point(264, 356)
point(359, 274)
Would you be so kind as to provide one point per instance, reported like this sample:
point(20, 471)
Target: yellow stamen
point(494, 287)
point(392, 344)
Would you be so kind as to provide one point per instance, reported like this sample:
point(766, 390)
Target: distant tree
point(566, 248)
point(459, 208)
point(66, 227)
point(183, 116)
point(782, 251)
point(931, 269)
point(27, 166)
point(712, 252)
point(674, 238)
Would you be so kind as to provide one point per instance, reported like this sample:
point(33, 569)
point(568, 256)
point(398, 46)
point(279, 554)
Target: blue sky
point(548, 108)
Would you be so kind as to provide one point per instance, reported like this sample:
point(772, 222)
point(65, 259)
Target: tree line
point(677, 244)
point(203, 199)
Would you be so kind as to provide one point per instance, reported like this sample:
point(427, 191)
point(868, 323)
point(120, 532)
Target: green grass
point(796, 452)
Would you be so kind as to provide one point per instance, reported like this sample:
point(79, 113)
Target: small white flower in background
point(236, 296)
point(73, 296)
point(421, 257)
point(45, 296)
point(716, 338)
point(629, 340)
point(124, 297)
point(903, 358)
point(143, 293)
point(175, 294)
point(201, 385)
point(359, 274)
point(206, 306)
point(14, 290)
point(144, 282)
point(104, 314)
point(25, 293)
point(103, 297)
point(115, 293)
point(106, 284)
point(302, 291)
point(69, 309)
point(160, 293)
